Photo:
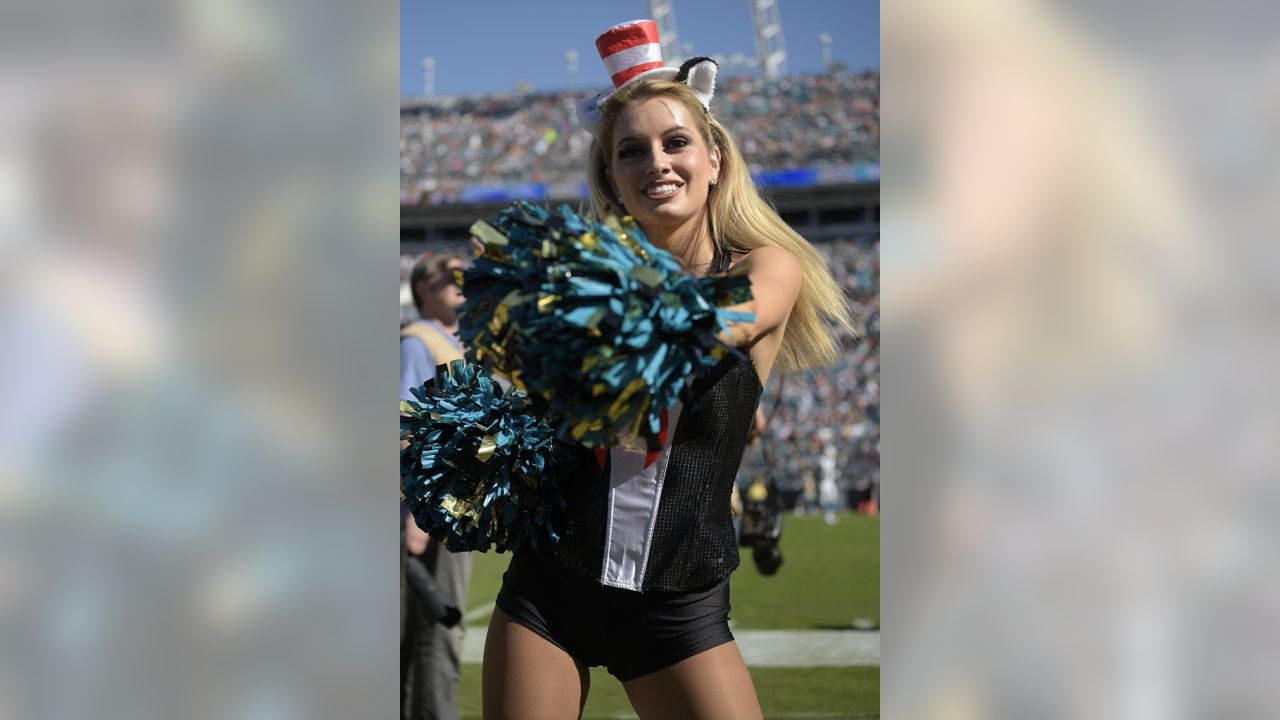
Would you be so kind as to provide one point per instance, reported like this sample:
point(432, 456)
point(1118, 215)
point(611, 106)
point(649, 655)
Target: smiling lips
point(663, 189)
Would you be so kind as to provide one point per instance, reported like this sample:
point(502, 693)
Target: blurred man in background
point(431, 647)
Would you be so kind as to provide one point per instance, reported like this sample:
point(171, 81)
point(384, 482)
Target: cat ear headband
point(631, 51)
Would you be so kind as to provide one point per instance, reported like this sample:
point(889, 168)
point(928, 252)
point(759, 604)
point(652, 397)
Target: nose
point(659, 162)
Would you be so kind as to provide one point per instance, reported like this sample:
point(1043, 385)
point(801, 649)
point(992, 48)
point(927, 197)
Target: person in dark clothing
point(431, 650)
point(435, 606)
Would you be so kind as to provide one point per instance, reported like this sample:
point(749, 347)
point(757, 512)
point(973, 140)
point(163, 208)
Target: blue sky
point(486, 47)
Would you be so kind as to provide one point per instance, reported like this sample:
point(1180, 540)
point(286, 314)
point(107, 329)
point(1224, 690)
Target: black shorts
point(630, 633)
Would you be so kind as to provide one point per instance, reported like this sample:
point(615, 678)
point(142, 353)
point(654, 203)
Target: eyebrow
point(664, 133)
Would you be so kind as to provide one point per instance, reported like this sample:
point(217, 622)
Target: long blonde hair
point(741, 221)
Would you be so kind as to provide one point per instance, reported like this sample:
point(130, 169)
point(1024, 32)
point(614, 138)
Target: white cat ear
point(700, 74)
point(589, 113)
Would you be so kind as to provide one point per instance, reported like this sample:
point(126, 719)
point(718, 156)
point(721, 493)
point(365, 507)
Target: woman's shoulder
point(769, 252)
point(772, 259)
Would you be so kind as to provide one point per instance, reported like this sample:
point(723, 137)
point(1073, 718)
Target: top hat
point(631, 52)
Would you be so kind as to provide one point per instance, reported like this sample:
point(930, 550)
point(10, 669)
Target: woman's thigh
point(711, 685)
point(526, 676)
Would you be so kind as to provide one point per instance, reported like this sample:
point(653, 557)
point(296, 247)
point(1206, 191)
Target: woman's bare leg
point(711, 685)
point(525, 676)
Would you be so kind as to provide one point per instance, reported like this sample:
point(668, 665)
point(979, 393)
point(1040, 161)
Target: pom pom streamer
point(597, 323)
point(480, 469)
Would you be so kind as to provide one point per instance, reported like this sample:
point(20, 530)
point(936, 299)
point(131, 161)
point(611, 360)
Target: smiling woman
point(639, 582)
point(662, 171)
point(662, 157)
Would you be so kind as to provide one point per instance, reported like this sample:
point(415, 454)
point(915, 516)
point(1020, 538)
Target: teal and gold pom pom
point(599, 325)
point(480, 469)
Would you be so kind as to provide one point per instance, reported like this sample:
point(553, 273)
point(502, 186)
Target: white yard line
point(762, 648)
point(476, 614)
point(788, 716)
point(808, 648)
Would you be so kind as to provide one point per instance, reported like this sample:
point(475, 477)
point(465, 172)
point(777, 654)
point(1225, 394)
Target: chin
point(667, 214)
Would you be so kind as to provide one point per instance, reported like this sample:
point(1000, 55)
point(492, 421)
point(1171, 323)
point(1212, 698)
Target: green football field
point(829, 580)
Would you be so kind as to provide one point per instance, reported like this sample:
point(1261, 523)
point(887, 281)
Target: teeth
point(661, 190)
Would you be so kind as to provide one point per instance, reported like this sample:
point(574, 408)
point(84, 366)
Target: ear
point(700, 74)
point(589, 113)
point(713, 158)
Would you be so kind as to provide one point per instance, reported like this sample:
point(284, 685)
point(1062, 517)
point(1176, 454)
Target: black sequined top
point(674, 531)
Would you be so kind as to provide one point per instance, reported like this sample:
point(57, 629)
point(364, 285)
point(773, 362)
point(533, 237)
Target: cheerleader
point(639, 582)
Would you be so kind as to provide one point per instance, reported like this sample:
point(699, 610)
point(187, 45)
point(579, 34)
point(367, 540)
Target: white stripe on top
point(634, 494)
point(632, 56)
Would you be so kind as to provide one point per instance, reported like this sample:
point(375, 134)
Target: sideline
point(476, 614)
point(761, 648)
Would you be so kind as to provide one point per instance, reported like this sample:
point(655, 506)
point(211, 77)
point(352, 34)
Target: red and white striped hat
point(632, 51)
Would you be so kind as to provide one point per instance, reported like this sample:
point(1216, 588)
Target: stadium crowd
point(837, 407)
point(447, 144)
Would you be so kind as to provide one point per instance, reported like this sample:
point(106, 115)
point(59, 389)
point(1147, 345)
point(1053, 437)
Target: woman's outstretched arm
point(775, 284)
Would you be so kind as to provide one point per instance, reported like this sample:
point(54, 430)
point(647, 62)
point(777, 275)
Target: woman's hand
point(775, 284)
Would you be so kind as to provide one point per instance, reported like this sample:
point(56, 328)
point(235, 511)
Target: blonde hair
point(740, 221)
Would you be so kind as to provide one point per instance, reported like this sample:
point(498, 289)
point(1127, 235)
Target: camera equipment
point(762, 525)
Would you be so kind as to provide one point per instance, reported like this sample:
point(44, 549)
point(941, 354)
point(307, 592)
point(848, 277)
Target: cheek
point(697, 171)
point(624, 176)
point(697, 193)
point(449, 296)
